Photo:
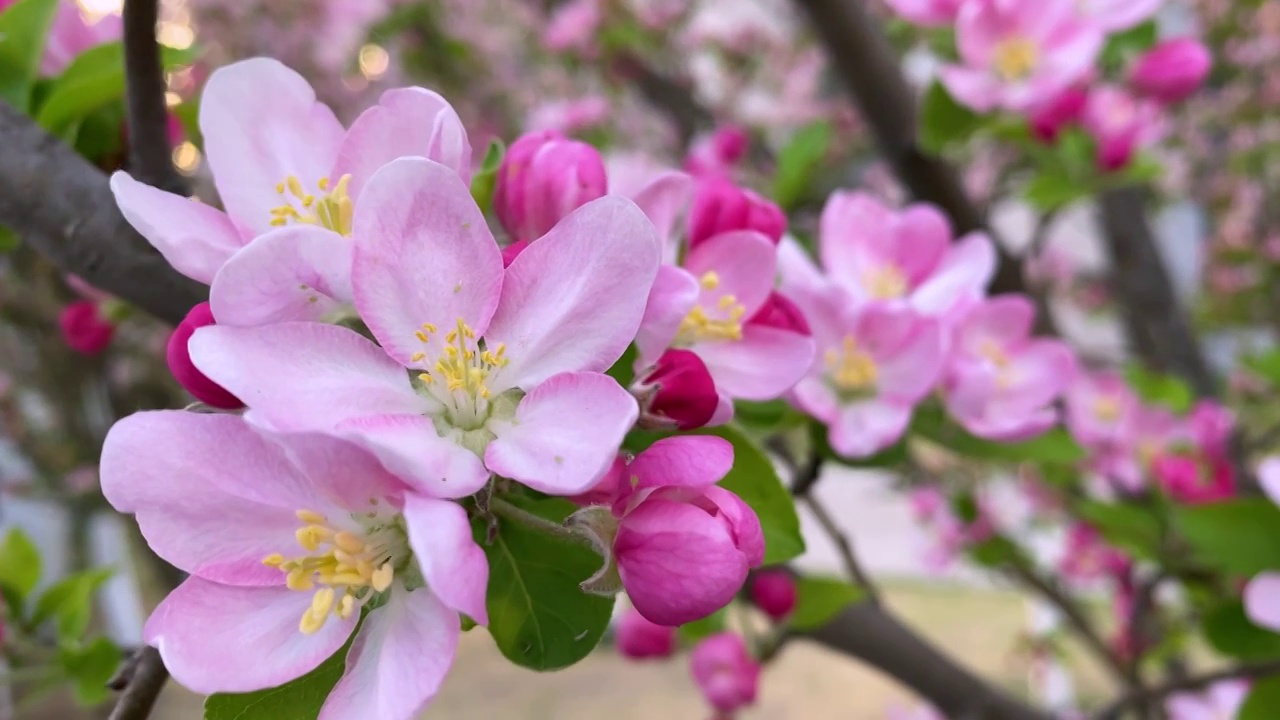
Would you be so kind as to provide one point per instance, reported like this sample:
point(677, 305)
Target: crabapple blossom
point(774, 592)
point(720, 206)
point(72, 33)
point(1172, 70)
point(1121, 124)
point(544, 177)
point(184, 371)
point(506, 364)
point(287, 538)
point(725, 672)
point(1222, 699)
point(85, 327)
point(1050, 118)
point(640, 639)
point(682, 391)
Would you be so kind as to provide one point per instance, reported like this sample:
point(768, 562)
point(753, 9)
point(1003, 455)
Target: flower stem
point(508, 511)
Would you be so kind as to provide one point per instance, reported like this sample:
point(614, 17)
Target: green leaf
point(8, 240)
point(23, 29)
point(996, 552)
point(1055, 446)
point(1121, 47)
point(1263, 702)
point(297, 700)
point(19, 563)
point(485, 180)
point(754, 479)
point(624, 369)
point(691, 632)
point(767, 417)
point(798, 160)
point(1126, 526)
point(1050, 189)
point(944, 121)
point(538, 615)
point(70, 600)
point(1160, 389)
point(1237, 536)
point(820, 599)
point(90, 667)
point(1266, 364)
point(1231, 633)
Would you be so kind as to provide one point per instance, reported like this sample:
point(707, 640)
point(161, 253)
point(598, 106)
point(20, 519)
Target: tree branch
point(146, 677)
point(150, 156)
point(1159, 692)
point(62, 207)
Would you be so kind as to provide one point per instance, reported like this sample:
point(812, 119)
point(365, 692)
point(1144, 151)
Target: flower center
point(885, 282)
point(1006, 374)
point(332, 208)
point(350, 568)
point(457, 377)
point(1016, 58)
point(721, 322)
point(851, 368)
point(1107, 409)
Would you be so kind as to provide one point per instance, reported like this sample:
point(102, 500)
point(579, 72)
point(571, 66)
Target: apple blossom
point(1017, 55)
point(1172, 70)
point(184, 371)
point(543, 178)
point(725, 672)
point(1100, 409)
point(1087, 557)
point(640, 639)
point(774, 592)
point(681, 392)
point(720, 206)
point(287, 539)
point(85, 328)
point(1121, 125)
point(1050, 118)
point(716, 153)
point(507, 364)
point(1220, 701)
point(72, 33)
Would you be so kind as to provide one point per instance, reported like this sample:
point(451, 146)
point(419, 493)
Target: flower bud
point(683, 391)
point(725, 672)
point(717, 152)
point(85, 328)
point(1049, 119)
point(774, 592)
point(544, 177)
point(640, 639)
point(185, 371)
point(1171, 71)
point(779, 312)
point(720, 206)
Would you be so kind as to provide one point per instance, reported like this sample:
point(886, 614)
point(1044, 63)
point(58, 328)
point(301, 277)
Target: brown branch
point(61, 206)
point(146, 677)
point(1159, 692)
point(150, 156)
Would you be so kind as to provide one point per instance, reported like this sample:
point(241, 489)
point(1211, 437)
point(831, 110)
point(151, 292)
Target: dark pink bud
point(84, 328)
point(1195, 480)
point(717, 152)
point(185, 372)
point(544, 177)
point(774, 592)
point(1049, 120)
point(779, 312)
point(1172, 70)
point(686, 393)
point(725, 672)
point(639, 639)
point(720, 206)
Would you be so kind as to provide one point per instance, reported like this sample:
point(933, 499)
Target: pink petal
point(304, 376)
point(574, 299)
point(763, 365)
point(194, 238)
point(663, 200)
point(294, 273)
point(565, 433)
point(412, 448)
point(673, 295)
point(975, 89)
point(796, 268)
point(398, 660)
point(406, 122)
point(337, 472)
point(848, 220)
point(962, 276)
point(743, 523)
point(1262, 600)
point(921, 237)
point(1269, 477)
point(1004, 320)
point(865, 428)
point(691, 461)
point(745, 262)
point(424, 254)
point(452, 563)
point(909, 351)
point(253, 145)
point(206, 633)
point(815, 397)
point(211, 496)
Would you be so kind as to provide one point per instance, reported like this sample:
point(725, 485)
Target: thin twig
point(150, 156)
point(147, 677)
point(504, 509)
point(845, 548)
point(1159, 692)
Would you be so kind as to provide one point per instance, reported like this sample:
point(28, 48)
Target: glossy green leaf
point(485, 181)
point(820, 599)
point(1237, 536)
point(538, 615)
point(797, 162)
point(297, 700)
point(19, 563)
point(24, 26)
point(70, 601)
point(1231, 633)
point(1160, 389)
point(1133, 528)
point(691, 632)
point(943, 121)
point(624, 369)
point(1263, 702)
point(1052, 189)
point(90, 667)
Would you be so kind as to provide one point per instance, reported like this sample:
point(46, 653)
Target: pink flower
point(873, 365)
point(1221, 700)
point(84, 328)
point(1262, 594)
point(926, 502)
point(1050, 118)
point(1101, 410)
point(1122, 125)
point(683, 545)
point(72, 34)
point(286, 540)
point(1002, 383)
point(544, 177)
point(506, 365)
point(573, 26)
point(185, 372)
point(927, 13)
point(290, 178)
point(718, 152)
point(1171, 71)
point(1017, 55)
point(774, 592)
point(683, 391)
point(1195, 479)
point(640, 639)
point(1087, 557)
point(1113, 15)
point(879, 254)
point(720, 206)
point(725, 672)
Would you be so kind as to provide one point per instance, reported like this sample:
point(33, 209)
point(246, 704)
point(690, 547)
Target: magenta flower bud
point(1171, 71)
point(1067, 108)
point(640, 639)
point(717, 152)
point(725, 672)
point(544, 177)
point(84, 328)
point(185, 371)
point(774, 592)
point(720, 206)
point(686, 394)
point(779, 312)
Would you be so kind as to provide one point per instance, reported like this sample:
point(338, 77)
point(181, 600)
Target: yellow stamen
point(348, 542)
point(850, 367)
point(710, 280)
point(382, 577)
point(309, 537)
point(1016, 58)
point(886, 283)
point(311, 516)
point(332, 208)
point(273, 560)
